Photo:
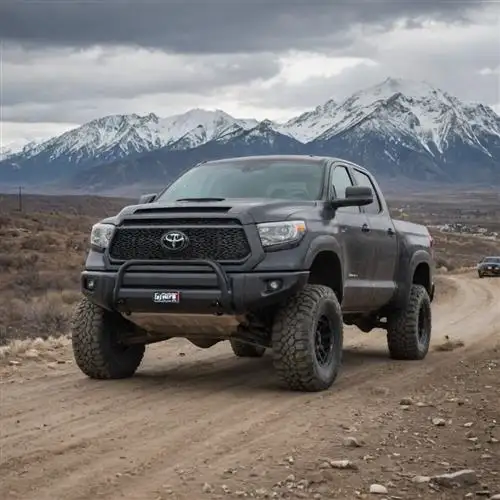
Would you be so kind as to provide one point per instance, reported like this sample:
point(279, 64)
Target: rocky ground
point(441, 441)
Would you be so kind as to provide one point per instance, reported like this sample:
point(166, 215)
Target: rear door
point(352, 226)
point(384, 241)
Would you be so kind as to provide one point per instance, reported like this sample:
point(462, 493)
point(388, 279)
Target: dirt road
point(193, 416)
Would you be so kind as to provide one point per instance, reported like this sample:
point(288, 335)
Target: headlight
point(101, 234)
point(276, 233)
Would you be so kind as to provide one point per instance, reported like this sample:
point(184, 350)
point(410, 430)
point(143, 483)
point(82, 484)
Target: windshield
point(298, 180)
point(491, 260)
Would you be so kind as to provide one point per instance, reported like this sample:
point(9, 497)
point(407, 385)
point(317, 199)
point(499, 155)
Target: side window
point(341, 179)
point(363, 180)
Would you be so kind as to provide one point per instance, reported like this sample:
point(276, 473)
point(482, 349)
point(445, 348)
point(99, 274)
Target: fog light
point(274, 285)
point(90, 284)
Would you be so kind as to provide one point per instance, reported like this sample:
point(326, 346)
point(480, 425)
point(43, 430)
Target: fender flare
point(419, 257)
point(324, 243)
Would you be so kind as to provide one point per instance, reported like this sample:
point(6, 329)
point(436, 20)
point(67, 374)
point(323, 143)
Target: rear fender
point(406, 273)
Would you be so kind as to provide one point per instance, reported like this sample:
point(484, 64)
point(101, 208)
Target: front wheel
point(96, 343)
point(409, 329)
point(307, 339)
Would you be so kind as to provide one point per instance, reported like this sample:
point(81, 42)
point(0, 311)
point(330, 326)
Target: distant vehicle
point(266, 252)
point(489, 266)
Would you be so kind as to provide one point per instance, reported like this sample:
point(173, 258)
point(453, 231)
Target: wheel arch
point(325, 265)
point(418, 270)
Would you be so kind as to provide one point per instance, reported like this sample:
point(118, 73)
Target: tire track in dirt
point(64, 436)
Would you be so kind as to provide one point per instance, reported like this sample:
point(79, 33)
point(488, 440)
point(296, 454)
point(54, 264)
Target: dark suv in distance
point(489, 266)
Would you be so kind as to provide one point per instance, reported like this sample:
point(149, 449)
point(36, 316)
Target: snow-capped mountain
point(396, 128)
point(18, 147)
point(432, 117)
point(310, 124)
point(117, 136)
point(5, 152)
point(417, 130)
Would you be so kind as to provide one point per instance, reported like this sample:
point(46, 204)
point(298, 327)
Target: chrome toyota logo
point(175, 241)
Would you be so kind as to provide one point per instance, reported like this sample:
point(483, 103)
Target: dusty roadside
point(196, 424)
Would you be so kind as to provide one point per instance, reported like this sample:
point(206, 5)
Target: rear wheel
point(307, 340)
point(409, 330)
point(96, 344)
point(243, 350)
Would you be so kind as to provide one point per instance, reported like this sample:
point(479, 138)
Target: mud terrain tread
point(92, 349)
point(293, 354)
point(243, 350)
point(402, 328)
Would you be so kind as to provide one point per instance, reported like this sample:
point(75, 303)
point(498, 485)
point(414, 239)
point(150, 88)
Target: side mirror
point(147, 198)
point(355, 196)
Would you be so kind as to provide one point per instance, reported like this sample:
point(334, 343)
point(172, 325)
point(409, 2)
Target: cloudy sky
point(65, 62)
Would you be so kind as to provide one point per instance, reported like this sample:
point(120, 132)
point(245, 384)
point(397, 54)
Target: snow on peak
point(310, 124)
point(199, 126)
point(23, 146)
point(410, 88)
point(392, 108)
point(397, 107)
point(116, 136)
point(5, 152)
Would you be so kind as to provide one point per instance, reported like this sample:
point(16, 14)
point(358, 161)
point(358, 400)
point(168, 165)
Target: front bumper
point(493, 271)
point(203, 287)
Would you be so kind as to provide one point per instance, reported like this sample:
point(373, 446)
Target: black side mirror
point(147, 198)
point(355, 196)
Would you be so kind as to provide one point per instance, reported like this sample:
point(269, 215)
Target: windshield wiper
point(201, 199)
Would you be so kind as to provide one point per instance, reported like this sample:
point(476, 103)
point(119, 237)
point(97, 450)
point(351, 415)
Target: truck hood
point(249, 211)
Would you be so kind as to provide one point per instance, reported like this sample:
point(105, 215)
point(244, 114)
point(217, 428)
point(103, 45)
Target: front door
point(385, 244)
point(355, 240)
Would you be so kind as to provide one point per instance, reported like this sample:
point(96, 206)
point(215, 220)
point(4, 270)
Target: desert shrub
point(41, 242)
point(17, 261)
point(443, 262)
point(46, 316)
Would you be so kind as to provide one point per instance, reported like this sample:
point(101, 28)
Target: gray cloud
point(70, 61)
point(192, 26)
point(453, 58)
point(47, 76)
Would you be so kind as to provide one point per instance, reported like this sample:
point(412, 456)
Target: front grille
point(225, 244)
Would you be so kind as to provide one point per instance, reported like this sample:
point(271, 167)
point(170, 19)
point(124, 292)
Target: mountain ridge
point(395, 128)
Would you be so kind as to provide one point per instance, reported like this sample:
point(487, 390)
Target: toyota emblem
point(175, 241)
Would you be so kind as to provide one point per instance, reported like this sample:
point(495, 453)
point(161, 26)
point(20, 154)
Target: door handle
point(365, 228)
point(391, 232)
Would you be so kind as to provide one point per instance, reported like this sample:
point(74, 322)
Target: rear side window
point(341, 179)
point(363, 180)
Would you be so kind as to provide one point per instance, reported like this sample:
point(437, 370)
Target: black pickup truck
point(268, 252)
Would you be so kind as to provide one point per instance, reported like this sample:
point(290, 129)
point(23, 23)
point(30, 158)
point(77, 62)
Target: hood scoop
point(182, 210)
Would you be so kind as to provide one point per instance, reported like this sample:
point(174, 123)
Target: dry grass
point(43, 249)
point(454, 252)
point(48, 348)
point(42, 252)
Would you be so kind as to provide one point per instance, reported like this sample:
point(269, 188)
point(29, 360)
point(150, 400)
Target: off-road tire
point(294, 339)
point(243, 350)
point(481, 275)
point(96, 350)
point(409, 330)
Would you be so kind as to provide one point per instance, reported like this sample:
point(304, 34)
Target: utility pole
point(20, 198)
